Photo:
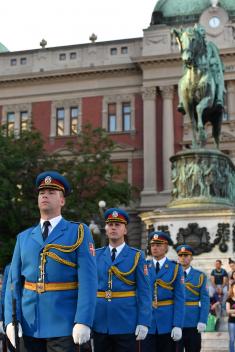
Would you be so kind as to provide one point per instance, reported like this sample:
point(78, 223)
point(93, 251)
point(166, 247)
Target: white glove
point(201, 327)
point(10, 331)
point(1, 328)
point(176, 333)
point(141, 332)
point(81, 333)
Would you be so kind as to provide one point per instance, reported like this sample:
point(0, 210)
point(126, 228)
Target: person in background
point(231, 263)
point(219, 282)
point(123, 306)
point(53, 276)
point(167, 282)
point(231, 278)
point(197, 302)
point(230, 309)
point(4, 284)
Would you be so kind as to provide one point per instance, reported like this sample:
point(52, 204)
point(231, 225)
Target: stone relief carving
point(203, 176)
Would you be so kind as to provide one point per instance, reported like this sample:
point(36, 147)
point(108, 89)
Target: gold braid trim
point(167, 285)
point(61, 248)
point(60, 260)
point(191, 287)
point(121, 275)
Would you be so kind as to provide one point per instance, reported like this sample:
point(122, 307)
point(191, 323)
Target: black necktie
point(46, 225)
point(157, 267)
point(113, 256)
point(185, 274)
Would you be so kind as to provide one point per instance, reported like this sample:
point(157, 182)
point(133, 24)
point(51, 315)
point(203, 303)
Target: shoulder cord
point(60, 248)
point(168, 285)
point(121, 275)
point(164, 284)
point(191, 287)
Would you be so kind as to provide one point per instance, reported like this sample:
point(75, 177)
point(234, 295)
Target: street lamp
point(97, 225)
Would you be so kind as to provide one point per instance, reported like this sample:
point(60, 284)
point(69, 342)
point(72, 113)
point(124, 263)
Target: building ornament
point(167, 92)
point(149, 93)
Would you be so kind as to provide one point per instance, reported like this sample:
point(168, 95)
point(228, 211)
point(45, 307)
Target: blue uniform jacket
point(196, 313)
point(52, 313)
point(121, 315)
point(164, 318)
point(4, 284)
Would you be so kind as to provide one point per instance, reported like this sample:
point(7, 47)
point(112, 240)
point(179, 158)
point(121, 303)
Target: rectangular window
point(23, 61)
point(73, 56)
point(62, 57)
point(126, 116)
point(13, 62)
point(10, 123)
point(113, 51)
point(112, 117)
point(60, 116)
point(124, 50)
point(74, 112)
point(24, 121)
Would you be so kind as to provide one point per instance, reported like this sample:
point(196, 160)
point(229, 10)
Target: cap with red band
point(53, 180)
point(116, 215)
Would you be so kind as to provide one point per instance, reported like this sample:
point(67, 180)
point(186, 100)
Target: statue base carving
point(202, 178)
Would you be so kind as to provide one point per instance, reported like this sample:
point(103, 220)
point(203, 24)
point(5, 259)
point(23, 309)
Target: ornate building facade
point(127, 86)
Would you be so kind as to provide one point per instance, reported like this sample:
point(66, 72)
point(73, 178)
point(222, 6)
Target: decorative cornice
point(68, 74)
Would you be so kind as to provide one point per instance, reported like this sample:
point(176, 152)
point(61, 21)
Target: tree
point(92, 175)
point(21, 160)
point(87, 166)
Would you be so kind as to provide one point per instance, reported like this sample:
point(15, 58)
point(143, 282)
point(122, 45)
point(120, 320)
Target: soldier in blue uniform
point(123, 306)
point(167, 284)
point(197, 302)
point(53, 276)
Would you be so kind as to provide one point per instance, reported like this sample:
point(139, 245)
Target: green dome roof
point(3, 48)
point(173, 11)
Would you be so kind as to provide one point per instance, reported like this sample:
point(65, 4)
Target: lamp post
point(97, 225)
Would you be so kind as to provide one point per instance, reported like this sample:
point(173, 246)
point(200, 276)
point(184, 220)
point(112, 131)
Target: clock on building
point(214, 22)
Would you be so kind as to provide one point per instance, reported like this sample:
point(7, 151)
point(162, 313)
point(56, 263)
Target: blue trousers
point(231, 331)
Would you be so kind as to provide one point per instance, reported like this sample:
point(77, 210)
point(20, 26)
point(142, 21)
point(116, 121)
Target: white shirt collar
point(161, 261)
point(188, 270)
point(53, 222)
point(119, 248)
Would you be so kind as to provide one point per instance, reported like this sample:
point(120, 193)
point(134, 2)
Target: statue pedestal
point(202, 178)
point(210, 231)
point(202, 210)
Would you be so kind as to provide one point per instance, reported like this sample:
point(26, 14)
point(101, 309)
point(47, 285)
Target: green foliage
point(20, 161)
point(92, 175)
point(88, 168)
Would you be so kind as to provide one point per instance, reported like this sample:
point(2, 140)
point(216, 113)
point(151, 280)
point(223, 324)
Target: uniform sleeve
point(144, 295)
point(179, 299)
point(4, 284)
point(13, 286)
point(205, 302)
point(87, 278)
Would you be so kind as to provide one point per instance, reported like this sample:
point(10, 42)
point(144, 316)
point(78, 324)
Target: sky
point(24, 23)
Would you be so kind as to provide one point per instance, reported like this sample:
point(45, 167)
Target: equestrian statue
point(201, 88)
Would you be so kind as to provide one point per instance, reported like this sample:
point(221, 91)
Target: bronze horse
point(201, 88)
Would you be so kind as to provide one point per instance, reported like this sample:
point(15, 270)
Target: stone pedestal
point(210, 231)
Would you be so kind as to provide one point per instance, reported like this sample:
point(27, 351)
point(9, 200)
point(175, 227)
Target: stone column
point(149, 133)
point(167, 135)
point(231, 100)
